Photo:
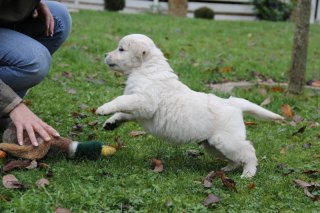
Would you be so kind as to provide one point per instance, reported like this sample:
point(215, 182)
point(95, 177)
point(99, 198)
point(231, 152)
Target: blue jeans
point(25, 51)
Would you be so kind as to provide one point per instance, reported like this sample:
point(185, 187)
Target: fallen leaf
point(93, 123)
point(11, 182)
point(299, 131)
point(93, 110)
point(78, 115)
point(67, 74)
point(297, 119)
point(207, 182)
point(229, 183)
point(137, 133)
point(16, 164)
point(250, 123)
point(312, 173)
point(77, 127)
point(118, 143)
point(306, 145)
point(301, 183)
point(287, 111)
point(311, 190)
point(43, 182)
point(227, 69)
point(43, 166)
point(71, 91)
point(83, 106)
point(3, 154)
point(277, 89)
point(266, 101)
point(27, 102)
point(62, 210)
point(157, 165)
point(251, 186)
point(211, 199)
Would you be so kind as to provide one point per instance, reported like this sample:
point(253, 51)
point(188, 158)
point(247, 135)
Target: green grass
point(197, 50)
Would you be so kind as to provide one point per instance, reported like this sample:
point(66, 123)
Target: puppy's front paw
point(110, 125)
point(101, 111)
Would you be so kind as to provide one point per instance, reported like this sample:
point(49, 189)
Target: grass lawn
point(200, 51)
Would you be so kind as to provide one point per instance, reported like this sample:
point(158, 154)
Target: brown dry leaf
point(137, 133)
point(277, 89)
point(62, 210)
point(207, 182)
point(266, 101)
point(11, 182)
point(93, 123)
point(27, 102)
point(297, 119)
point(287, 110)
point(157, 165)
point(93, 110)
point(250, 123)
point(78, 115)
point(227, 69)
point(283, 151)
point(229, 183)
point(309, 188)
point(211, 199)
point(3, 154)
point(43, 166)
point(67, 74)
point(43, 182)
point(311, 172)
point(251, 186)
point(71, 91)
point(16, 164)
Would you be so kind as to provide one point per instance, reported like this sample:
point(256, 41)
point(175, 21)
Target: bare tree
point(300, 47)
point(178, 7)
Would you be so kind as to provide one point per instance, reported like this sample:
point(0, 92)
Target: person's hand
point(42, 11)
point(24, 119)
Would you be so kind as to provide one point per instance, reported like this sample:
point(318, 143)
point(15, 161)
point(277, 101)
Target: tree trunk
point(178, 7)
point(300, 46)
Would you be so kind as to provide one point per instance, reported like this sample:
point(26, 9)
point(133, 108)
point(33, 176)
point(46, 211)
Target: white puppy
point(165, 107)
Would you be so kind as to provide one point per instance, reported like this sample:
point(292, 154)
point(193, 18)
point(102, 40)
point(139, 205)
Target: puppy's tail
point(253, 109)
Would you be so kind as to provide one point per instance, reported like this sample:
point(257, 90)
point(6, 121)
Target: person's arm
point(22, 117)
point(8, 99)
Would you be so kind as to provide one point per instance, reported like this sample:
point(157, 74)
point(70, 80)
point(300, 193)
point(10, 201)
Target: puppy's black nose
point(106, 55)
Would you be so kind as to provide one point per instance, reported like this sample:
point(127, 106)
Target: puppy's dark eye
point(121, 49)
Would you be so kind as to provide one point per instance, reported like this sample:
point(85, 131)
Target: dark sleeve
point(8, 99)
point(13, 11)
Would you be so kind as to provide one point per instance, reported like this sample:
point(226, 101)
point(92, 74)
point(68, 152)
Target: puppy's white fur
point(165, 107)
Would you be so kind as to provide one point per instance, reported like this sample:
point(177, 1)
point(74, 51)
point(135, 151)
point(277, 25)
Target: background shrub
point(204, 12)
point(114, 5)
point(273, 10)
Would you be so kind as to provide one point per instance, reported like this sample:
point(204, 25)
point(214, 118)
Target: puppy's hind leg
point(238, 152)
point(116, 120)
point(212, 150)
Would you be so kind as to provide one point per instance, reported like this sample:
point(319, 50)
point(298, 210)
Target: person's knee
point(40, 66)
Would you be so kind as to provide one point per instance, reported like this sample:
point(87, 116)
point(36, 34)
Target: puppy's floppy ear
point(141, 53)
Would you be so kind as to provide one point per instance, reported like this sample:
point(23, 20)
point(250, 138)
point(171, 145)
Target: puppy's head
point(133, 50)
